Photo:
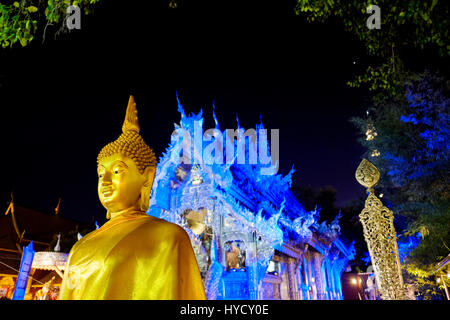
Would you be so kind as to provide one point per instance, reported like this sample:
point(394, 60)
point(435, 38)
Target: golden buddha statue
point(133, 255)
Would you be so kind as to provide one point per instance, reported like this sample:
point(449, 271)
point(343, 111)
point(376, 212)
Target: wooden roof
point(39, 227)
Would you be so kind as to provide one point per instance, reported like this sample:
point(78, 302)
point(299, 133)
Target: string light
point(371, 134)
point(375, 153)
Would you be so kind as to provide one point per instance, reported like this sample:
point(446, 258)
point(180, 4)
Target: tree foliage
point(412, 142)
point(406, 25)
point(21, 20)
point(403, 23)
point(406, 131)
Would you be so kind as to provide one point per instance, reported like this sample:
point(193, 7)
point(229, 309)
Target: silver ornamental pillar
point(380, 235)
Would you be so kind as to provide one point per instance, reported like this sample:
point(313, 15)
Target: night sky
point(63, 100)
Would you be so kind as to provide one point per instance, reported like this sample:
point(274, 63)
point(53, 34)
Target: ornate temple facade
point(252, 238)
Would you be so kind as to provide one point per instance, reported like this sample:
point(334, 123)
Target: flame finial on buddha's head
point(130, 143)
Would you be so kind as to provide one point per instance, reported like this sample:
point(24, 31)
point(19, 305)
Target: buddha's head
point(126, 169)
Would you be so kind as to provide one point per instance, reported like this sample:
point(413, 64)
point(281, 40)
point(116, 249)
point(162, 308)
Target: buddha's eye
point(117, 170)
point(101, 173)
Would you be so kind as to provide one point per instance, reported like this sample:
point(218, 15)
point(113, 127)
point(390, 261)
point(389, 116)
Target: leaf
point(16, 4)
point(32, 9)
point(23, 41)
point(433, 4)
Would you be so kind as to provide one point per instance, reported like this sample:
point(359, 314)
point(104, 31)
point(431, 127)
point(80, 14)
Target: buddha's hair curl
point(131, 145)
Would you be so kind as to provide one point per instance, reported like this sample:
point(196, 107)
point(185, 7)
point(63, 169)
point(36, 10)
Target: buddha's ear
point(149, 174)
point(144, 201)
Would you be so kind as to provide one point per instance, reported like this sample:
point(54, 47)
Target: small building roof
point(39, 227)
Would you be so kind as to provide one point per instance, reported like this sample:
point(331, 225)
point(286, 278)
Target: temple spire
point(215, 118)
point(57, 207)
point(180, 108)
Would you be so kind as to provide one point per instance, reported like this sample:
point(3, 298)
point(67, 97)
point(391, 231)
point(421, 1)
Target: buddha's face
point(119, 183)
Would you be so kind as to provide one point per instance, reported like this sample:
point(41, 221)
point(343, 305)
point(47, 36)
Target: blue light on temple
point(238, 219)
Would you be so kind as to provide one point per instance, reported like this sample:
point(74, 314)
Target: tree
point(406, 130)
point(21, 20)
point(408, 138)
point(407, 27)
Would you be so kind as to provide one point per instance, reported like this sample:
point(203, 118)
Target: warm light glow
point(448, 275)
point(370, 134)
point(48, 260)
point(438, 280)
point(354, 281)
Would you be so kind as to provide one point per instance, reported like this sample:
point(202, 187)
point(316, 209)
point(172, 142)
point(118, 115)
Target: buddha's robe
point(133, 256)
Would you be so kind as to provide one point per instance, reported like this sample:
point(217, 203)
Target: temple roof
point(260, 197)
point(39, 227)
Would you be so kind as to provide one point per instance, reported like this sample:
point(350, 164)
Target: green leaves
point(407, 24)
point(32, 9)
point(16, 25)
point(19, 24)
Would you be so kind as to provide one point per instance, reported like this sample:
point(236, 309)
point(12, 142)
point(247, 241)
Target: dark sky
point(63, 100)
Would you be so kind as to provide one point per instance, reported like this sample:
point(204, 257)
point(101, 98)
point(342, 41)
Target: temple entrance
point(235, 285)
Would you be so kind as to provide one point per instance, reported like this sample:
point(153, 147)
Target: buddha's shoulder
point(156, 226)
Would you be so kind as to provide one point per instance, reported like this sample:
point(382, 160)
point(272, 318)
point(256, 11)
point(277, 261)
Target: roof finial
point(57, 207)
point(180, 107)
point(214, 116)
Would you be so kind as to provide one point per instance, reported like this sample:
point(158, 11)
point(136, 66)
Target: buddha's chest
point(97, 257)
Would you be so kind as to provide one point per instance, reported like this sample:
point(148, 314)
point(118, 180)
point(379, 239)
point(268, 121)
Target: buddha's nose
point(106, 179)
